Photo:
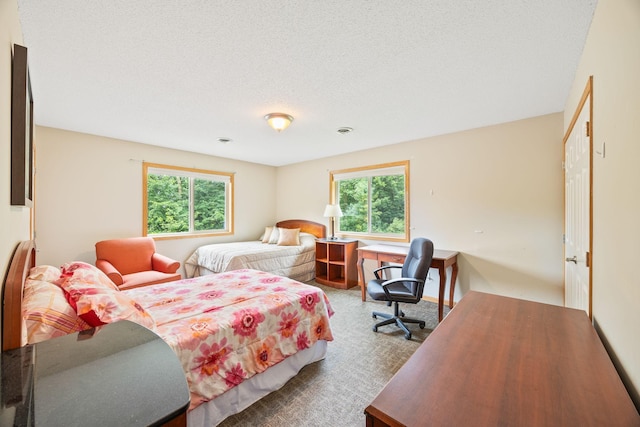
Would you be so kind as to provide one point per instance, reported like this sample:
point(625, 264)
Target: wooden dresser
point(497, 361)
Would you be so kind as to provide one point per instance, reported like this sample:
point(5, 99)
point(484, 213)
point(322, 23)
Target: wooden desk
point(497, 361)
point(396, 254)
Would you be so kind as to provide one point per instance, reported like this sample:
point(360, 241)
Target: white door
point(577, 162)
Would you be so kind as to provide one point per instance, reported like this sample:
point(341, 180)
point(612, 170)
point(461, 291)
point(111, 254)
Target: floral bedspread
point(227, 327)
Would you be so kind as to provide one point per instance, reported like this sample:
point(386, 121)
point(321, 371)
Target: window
point(374, 201)
point(182, 201)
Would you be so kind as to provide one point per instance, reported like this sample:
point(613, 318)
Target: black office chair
point(407, 289)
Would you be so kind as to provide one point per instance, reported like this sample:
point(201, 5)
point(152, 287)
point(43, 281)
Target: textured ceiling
point(182, 74)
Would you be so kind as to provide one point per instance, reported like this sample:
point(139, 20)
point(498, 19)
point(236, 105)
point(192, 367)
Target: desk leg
point(442, 272)
point(452, 286)
point(361, 276)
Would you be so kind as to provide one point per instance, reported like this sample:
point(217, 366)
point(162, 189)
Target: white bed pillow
point(267, 234)
point(307, 240)
point(273, 238)
point(289, 237)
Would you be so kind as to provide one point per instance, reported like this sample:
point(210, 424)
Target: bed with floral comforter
point(228, 327)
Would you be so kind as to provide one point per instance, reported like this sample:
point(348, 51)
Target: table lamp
point(332, 211)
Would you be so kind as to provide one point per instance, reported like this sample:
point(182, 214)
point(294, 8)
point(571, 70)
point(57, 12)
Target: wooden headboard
point(24, 258)
point(315, 228)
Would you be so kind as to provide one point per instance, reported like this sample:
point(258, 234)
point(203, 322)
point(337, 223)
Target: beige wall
point(494, 194)
point(14, 220)
point(90, 189)
point(612, 57)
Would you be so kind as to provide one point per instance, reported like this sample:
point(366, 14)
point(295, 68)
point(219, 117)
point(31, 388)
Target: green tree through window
point(209, 205)
point(373, 200)
point(186, 201)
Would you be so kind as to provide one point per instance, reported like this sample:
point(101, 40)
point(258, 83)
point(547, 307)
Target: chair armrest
point(399, 279)
point(163, 263)
point(384, 267)
point(110, 271)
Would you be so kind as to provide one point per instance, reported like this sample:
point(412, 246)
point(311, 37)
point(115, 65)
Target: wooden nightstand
point(336, 262)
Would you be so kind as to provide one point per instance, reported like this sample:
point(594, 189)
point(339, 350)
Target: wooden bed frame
point(315, 228)
point(24, 258)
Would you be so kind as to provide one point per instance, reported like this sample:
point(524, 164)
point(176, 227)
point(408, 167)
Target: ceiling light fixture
point(278, 121)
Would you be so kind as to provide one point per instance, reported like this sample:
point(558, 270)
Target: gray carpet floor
point(359, 362)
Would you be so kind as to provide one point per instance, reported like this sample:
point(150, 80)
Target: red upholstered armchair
point(133, 262)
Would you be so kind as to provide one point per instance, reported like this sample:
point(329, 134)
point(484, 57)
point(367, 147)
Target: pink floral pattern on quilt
point(96, 299)
point(227, 327)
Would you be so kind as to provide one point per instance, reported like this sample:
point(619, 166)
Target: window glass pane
point(353, 198)
point(167, 204)
point(209, 205)
point(374, 201)
point(387, 204)
point(185, 201)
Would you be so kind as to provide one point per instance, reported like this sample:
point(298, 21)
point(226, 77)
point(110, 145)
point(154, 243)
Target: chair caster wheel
point(407, 336)
point(374, 316)
point(375, 329)
point(421, 325)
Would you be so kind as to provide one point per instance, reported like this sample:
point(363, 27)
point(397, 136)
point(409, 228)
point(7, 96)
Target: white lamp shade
point(332, 211)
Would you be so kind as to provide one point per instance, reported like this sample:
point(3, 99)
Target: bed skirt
point(255, 388)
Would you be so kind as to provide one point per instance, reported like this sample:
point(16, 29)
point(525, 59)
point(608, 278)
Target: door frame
point(587, 93)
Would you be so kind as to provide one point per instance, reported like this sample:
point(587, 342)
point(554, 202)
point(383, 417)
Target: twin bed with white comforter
point(296, 261)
